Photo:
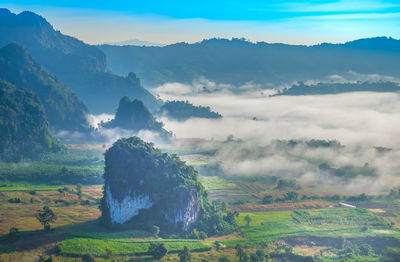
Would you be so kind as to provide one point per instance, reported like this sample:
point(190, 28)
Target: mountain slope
point(238, 61)
point(24, 129)
point(80, 66)
point(63, 108)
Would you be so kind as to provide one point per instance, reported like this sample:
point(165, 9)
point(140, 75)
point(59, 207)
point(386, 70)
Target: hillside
point(238, 61)
point(64, 109)
point(24, 128)
point(80, 66)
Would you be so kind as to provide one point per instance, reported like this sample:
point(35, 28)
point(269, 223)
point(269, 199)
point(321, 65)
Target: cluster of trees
point(182, 110)
point(289, 196)
point(260, 255)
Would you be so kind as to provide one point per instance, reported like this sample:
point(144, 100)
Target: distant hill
point(238, 61)
point(183, 110)
point(134, 115)
point(24, 128)
point(80, 66)
point(64, 109)
point(335, 88)
point(136, 42)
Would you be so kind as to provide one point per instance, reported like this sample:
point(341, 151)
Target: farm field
point(295, 225)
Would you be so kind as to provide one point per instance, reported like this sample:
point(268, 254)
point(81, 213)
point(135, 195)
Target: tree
point(268, 199)
point(13, 231)
point(185, 255)
point(262, 254)
point(247, 218)
point(45, 217)
point(223, 259)
point(157, 251)
point(241, 253)
point(108, 252)
point(291, 196)
point(155, 230)
point(79, 191)
point(202, 235)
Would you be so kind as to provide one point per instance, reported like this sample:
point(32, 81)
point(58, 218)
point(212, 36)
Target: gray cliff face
point(147, 187)
point(188, 212)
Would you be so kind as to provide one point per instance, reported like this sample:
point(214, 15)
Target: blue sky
point(300, 22)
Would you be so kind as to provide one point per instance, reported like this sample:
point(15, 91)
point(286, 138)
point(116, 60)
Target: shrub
point(268, 199)
point(13, 231)
point(155, 230)
point(15, 200)
point(87, 258)
point(157, 251)
point(202, 235)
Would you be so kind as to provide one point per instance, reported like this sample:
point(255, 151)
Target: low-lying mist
point(364, 123)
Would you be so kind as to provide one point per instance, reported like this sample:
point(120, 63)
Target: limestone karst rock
point(144, 186)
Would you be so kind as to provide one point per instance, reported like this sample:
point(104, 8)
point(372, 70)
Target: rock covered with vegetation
point(134, 115)
point(64, 109)
point(182, 110)
point(145, 187)
point(23, 124)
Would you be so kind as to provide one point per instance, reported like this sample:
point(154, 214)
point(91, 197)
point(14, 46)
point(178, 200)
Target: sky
point(294, 22)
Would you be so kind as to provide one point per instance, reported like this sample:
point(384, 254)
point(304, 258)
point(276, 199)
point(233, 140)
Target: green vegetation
point(64, 109)
point(157, 251)
point(67, 166)
point(46, 216)
point(24, 128)
point(125, 246)
point(182, 110)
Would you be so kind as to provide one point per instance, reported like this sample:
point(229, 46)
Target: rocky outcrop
point(144, 186)
point(133, 115)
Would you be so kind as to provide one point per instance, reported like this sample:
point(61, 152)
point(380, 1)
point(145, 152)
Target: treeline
point(182, 110)
point(294, 196)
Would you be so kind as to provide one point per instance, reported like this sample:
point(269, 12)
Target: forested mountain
point(182, 110)
point(64, 109)
point(336, 88)
point(80, 66)
point(134, 115)
point(238, 61)
point(24, 129)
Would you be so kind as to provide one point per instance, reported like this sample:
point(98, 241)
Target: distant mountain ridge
point(80, 66)
point(64, 109)
point(238, 61)
point(136, 42)
point(337, 88)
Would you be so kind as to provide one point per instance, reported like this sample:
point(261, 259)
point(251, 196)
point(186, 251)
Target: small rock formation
point(134, 115)
point(145, 187)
